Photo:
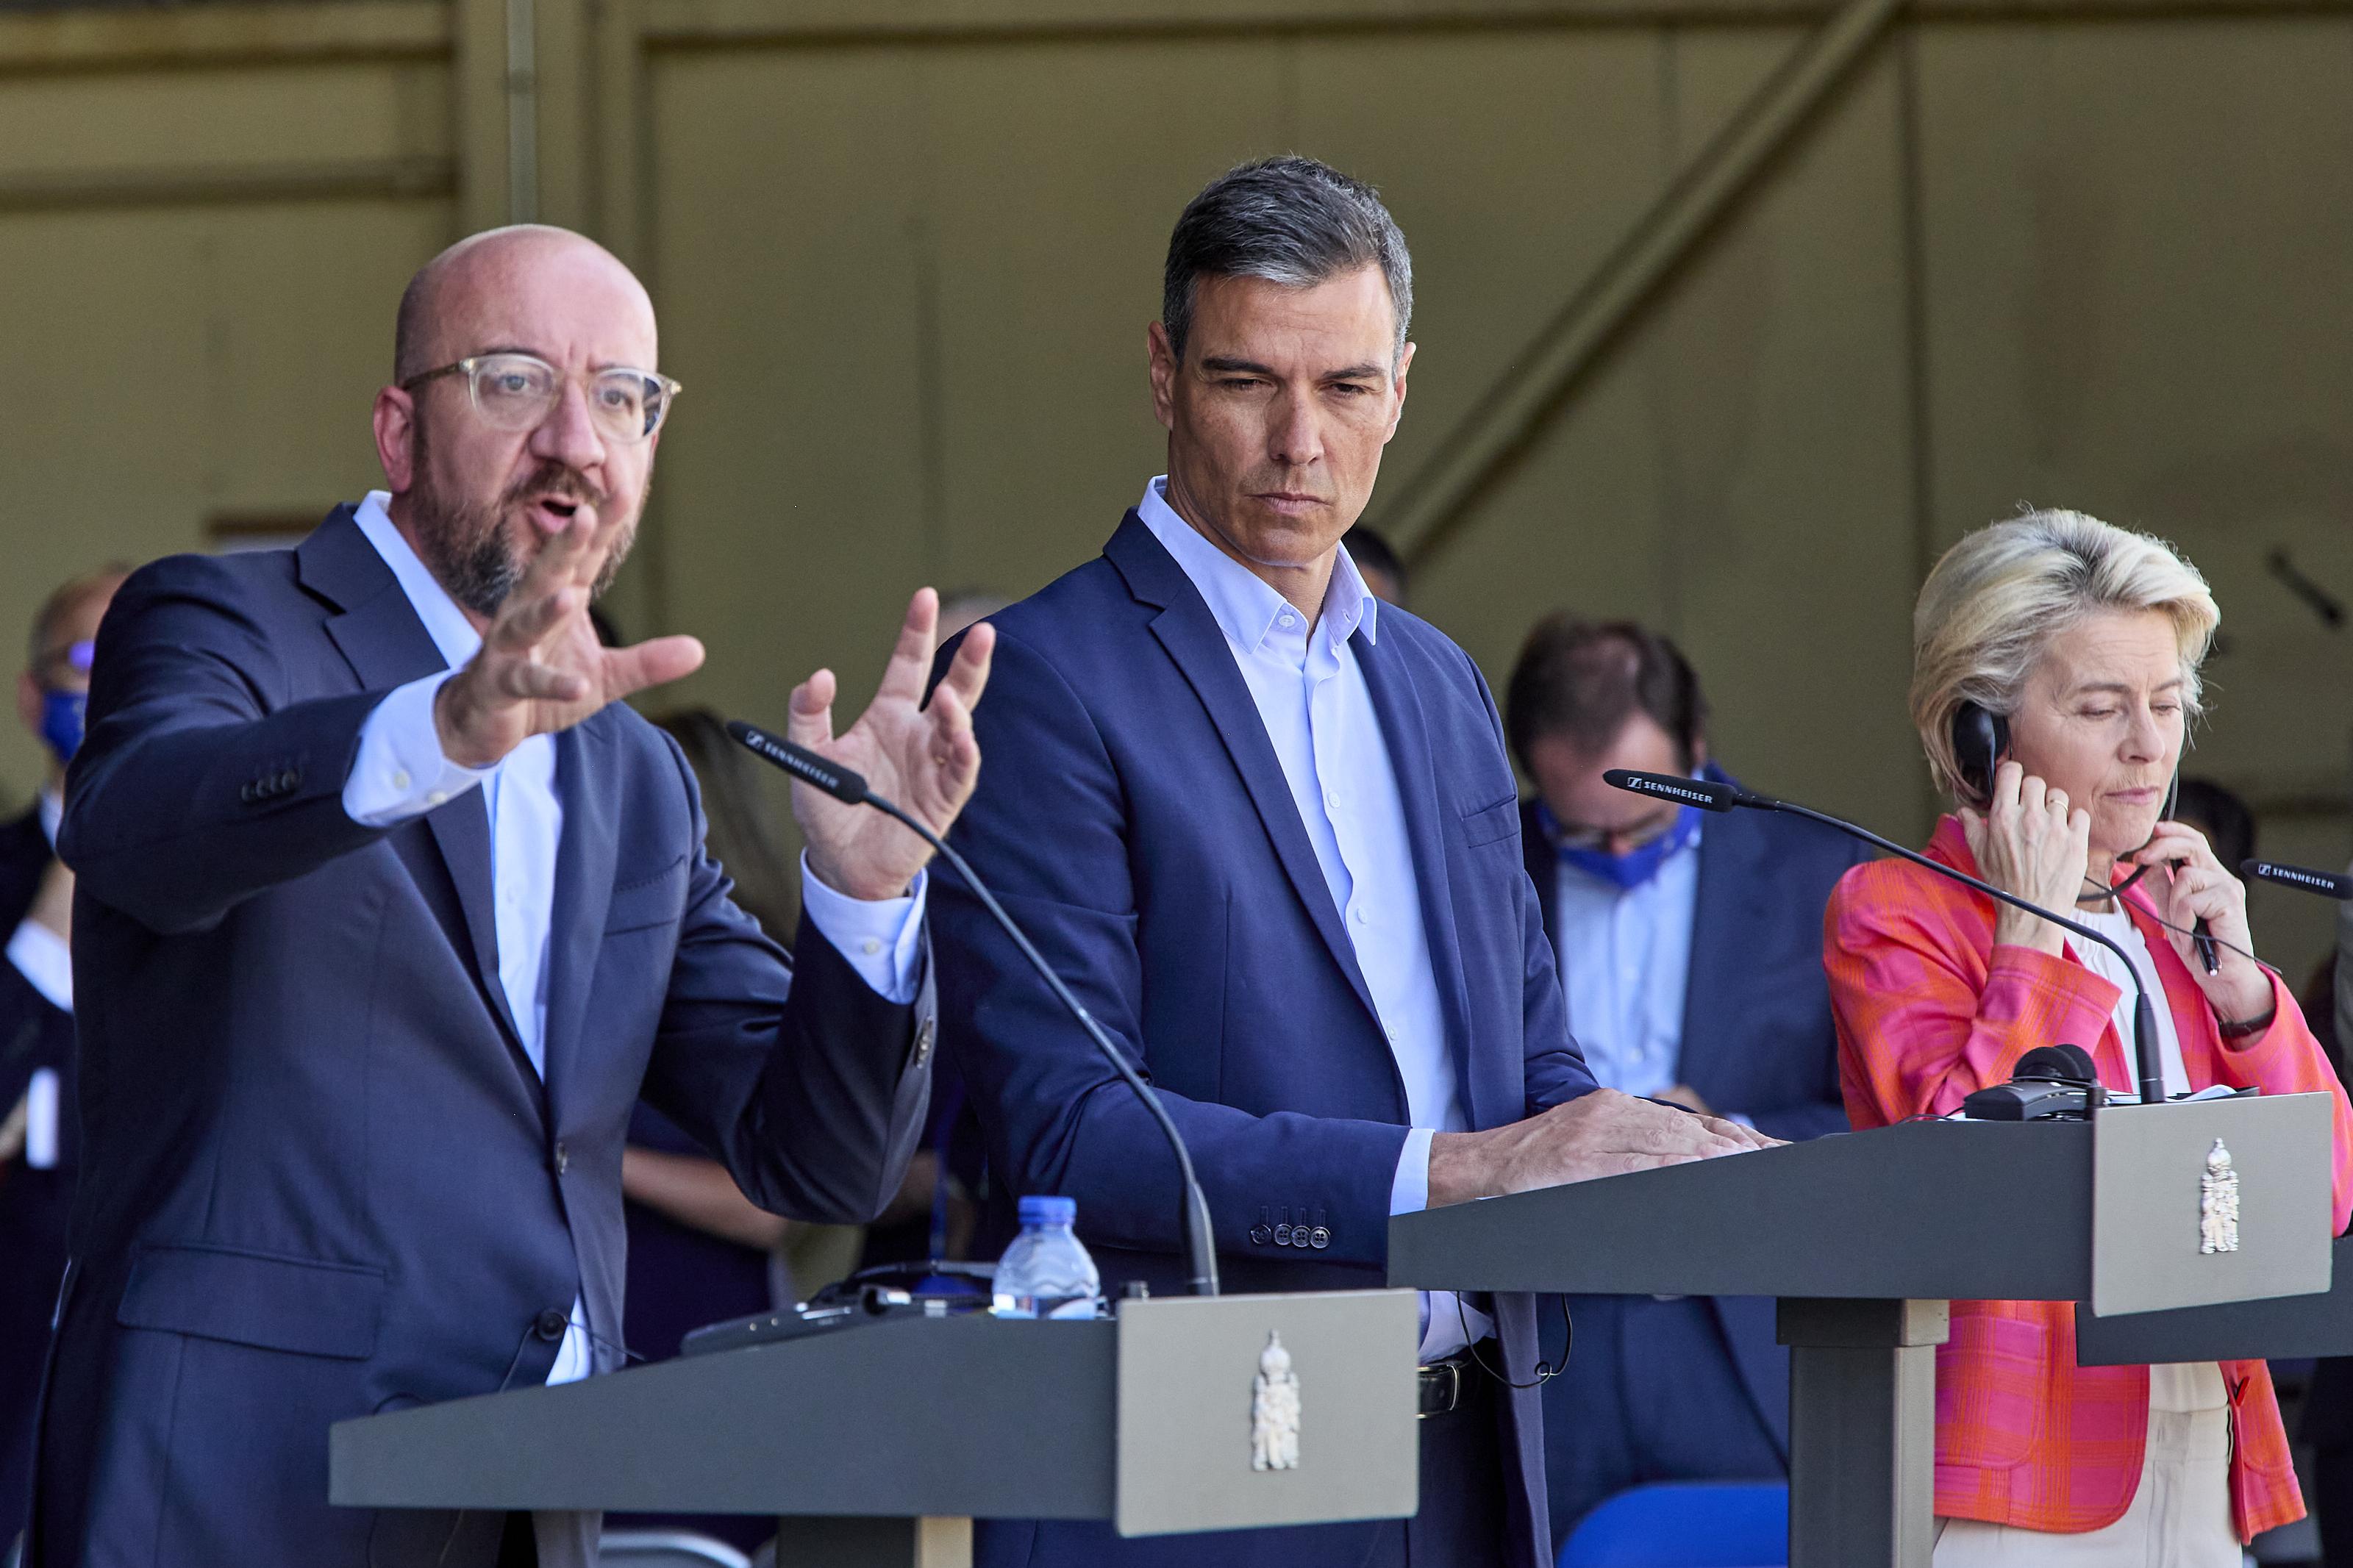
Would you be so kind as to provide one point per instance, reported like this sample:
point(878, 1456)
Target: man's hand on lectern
point(1603, 1133)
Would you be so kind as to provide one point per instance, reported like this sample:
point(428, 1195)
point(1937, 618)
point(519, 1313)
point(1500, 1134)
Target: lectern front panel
point(2200, 1202)
point(1256, 1410)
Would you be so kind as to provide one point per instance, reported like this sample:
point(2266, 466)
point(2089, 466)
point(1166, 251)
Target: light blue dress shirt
point(1625, 962)
point(399, 772)
point(1311, 695)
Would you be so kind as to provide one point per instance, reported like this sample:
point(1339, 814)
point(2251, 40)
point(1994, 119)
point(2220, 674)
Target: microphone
point(850, 787)
point(1709, 796)
point(2310, 881)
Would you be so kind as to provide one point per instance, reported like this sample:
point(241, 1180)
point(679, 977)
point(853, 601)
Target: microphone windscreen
point(800, 761)
point(2321, 882)
point(1704, 794)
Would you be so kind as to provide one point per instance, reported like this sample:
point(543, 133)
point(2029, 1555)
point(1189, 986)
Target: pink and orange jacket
point(1928, 1010)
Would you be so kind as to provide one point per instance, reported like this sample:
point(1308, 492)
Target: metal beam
point(1502, 425)
point(216, 35)
point(423, 178)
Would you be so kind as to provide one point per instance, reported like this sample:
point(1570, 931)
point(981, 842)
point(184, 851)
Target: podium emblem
point(2218, 1202)
point(1274, 1410)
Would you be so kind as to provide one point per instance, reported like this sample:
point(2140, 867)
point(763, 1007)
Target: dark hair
point(740, 827)
point(2230, 823)
point(1289, 220)
point(1582, 680)
point(1367, 548)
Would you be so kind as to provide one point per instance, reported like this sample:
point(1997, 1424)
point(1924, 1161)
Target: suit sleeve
point(808, 1085)
point(1047, 830)
point(199, 784)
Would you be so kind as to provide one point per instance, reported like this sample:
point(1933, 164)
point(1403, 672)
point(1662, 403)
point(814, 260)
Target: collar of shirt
point(451, 632)
point(1245, 608)
point(53, 814)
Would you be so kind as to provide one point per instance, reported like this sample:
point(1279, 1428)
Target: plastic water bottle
point(1046, 1273)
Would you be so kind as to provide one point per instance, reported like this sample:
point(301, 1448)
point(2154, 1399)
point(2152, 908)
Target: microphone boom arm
point(1200, 1247)
point(1711, 796)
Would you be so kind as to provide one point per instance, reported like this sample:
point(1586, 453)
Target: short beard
point(466, 550)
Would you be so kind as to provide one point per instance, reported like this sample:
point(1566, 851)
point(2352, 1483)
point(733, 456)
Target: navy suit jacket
point(1758, 1037)
point(1133, 817)
point(322, 1178)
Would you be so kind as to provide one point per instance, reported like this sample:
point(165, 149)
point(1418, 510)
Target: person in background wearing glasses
point(37, 1134)
point(2055, 675)
point(389, 909)
point(1688, 953)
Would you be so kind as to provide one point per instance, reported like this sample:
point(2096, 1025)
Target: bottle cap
point(1041, 1210)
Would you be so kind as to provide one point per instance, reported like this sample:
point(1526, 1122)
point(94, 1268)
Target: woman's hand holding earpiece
point(2033, 841)
point(2188, 884)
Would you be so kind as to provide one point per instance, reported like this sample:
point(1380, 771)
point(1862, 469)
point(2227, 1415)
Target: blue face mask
point(1641, 863)
point(61, 721)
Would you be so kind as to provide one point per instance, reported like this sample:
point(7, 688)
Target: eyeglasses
point(517, 392)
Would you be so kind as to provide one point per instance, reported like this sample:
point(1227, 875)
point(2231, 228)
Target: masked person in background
point(38, 1133)
point(1687, 959)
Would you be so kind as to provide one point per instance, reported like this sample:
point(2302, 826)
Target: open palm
point(920, 756)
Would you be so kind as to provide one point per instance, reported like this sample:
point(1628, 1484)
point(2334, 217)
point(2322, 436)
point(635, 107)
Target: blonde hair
point(1989, 609)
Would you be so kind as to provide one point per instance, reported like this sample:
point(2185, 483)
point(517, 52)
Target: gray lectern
point(2277, 1330)
point(1866, 1236)
point(880, 1444)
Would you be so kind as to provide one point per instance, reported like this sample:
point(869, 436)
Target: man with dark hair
point(389, 909)
point(39, 1142)
point(1690, 958)
point(1266, 827)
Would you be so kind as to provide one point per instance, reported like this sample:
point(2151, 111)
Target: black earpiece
point(1980, 739)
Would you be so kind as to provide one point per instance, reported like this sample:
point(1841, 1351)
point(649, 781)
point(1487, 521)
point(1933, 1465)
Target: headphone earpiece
point(1981, 739)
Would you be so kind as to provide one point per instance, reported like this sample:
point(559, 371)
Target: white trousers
point(2179, 1516)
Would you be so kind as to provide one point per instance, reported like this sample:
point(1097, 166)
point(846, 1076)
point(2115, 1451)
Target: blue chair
point(1695, 1524)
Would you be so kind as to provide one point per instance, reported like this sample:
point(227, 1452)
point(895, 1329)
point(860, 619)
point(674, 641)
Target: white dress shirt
point(1625, 966)
point(399, 772)
point(1311, 695)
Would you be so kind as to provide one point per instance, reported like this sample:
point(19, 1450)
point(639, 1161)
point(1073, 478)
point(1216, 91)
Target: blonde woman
point(2056, 671)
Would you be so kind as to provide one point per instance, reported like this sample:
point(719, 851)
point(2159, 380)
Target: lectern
point(880, 1444)
point(2278, 1330)
point(1866, 1236)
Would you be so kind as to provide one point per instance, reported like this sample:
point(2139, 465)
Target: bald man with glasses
point(388, 911)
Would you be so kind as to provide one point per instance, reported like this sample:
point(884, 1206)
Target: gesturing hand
point(2033, 841)
point(921, 756)
point(1601, 1133)
point(2195, 886)
point(539, 668)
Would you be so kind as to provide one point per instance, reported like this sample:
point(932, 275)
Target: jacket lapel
point(1190, 634)
point(585, 855)
point(1396, 703)
point(386, 644)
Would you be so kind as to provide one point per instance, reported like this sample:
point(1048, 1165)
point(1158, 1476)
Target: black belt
point(1442, 1380)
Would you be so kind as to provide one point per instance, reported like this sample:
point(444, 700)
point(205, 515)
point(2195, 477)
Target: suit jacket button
point(1282, 1235)
point(550, 1325)
point(289, 779)
point(245, 795)
point(563, 1158)
point(1260, 1234)
point(1320, 1238)
point(923, 1039)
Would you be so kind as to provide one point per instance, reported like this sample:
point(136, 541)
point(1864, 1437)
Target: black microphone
point(2310, 881)
point(1709, 796)
point(845, 785)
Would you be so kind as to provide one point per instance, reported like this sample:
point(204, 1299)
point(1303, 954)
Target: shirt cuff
point(882, 939)
point(1409, 1190)
point(42, 957)
point(400, 772)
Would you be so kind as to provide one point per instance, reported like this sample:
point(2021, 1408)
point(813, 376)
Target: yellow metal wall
point(904, 255)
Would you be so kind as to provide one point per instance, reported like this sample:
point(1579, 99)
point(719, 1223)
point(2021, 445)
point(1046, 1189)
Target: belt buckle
point(1441, 1389)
